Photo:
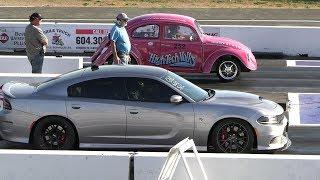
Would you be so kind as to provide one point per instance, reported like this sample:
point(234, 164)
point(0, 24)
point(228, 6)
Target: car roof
point(126, 70)
point(164, 17)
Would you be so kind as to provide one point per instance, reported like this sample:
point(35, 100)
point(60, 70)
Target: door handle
point(76, 107)
point(133, 112)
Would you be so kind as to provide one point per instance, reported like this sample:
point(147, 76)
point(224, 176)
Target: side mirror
point(175, 99)
point(191, 38)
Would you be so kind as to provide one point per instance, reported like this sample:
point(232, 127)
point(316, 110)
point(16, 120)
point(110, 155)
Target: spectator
point(120, 42)
point(36, 43)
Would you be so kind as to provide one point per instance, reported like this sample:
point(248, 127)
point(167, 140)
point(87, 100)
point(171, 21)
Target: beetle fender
point(214, 57)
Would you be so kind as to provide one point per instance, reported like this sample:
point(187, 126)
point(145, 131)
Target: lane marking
point(291, 63)
point(108, 20)
point(294, 112)
point(303, 63)
point(304, 109)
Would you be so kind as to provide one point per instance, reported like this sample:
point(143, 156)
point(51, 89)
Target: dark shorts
point(124, 58)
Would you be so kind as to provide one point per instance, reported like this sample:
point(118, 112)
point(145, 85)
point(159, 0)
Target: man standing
point(36, 43)
point(120, 42)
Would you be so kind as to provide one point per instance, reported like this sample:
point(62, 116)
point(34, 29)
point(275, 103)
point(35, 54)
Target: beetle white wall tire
point(228, 70)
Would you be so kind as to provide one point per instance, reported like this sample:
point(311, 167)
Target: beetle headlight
point(268, 120)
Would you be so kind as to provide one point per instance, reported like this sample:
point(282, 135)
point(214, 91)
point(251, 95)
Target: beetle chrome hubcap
point(228, 70)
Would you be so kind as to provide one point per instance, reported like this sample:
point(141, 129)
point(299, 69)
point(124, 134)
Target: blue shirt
point(120, 36)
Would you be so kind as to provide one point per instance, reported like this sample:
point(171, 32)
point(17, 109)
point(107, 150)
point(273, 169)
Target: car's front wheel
point(232, 136)
point(228, 70)
point(54, 133)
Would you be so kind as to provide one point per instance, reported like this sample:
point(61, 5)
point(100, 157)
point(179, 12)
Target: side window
point(108, 88)
point(177, 32)
point(146, 32)
point(148, 90)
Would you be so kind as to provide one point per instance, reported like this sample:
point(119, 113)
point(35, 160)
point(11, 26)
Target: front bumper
point(273, 137)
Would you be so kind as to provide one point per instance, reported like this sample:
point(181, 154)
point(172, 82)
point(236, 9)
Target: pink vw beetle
point(177, 43)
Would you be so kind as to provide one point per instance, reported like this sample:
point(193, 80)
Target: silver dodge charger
point(133, 107)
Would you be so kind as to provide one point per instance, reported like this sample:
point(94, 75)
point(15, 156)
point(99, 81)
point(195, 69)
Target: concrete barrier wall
point(63, 165)
point(98, 165)
point(288, 40)
point(51, 64)
point(147, 166)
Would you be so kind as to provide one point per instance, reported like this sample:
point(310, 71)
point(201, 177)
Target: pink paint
point(193, 52)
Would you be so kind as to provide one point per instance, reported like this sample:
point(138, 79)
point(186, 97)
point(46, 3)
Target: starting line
point(304, 109)
point(303, 63)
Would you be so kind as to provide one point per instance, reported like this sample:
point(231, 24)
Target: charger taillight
point(6, 104)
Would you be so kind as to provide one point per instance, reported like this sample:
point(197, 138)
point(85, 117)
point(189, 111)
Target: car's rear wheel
point(54, 133)
point(232, 136)
point(228, 70)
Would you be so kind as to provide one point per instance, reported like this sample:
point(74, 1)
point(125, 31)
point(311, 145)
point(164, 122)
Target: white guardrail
point(147, 166)
point(98, 165)
point(51, 64)
point(63, 165)
point(18, 68)
point(85, 37)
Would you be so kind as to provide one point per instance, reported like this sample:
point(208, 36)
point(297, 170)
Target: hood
point(241, 99)
point(18, 90)
point(224, 41)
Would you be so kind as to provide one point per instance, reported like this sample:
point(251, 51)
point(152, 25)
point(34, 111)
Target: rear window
point(105, 88)
point(61, 78)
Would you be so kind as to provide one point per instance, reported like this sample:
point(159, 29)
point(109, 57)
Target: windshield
point(185, 86)
point(199, 29)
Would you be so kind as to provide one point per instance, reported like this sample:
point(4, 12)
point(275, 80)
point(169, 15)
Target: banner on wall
point(88, 39)
point(11, 38)
point(211, 31)
point(64, 37)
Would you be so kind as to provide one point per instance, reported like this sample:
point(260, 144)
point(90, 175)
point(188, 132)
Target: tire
point(228, 70)
point(54, 133)
point(232, 136)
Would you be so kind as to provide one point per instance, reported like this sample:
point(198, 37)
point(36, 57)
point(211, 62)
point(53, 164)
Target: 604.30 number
point(88, 40)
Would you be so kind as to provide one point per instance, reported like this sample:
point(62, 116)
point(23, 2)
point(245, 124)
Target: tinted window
point(61, 78)
point(148, 90)
point(148, 31)
point(109, 88)
point(177, 32)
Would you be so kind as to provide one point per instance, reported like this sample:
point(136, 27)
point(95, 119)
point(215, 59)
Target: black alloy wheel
point(54, 133)
point(233, 136)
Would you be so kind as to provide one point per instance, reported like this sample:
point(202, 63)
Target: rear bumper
point(15, 126)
